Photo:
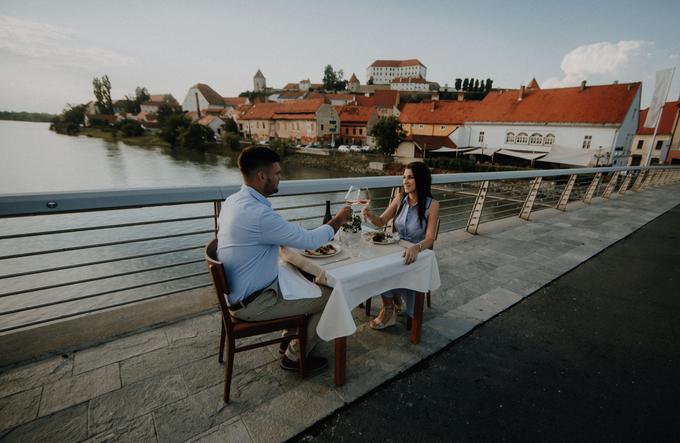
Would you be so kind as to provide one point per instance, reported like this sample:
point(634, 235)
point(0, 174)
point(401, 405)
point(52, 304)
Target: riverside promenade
point(165, 384)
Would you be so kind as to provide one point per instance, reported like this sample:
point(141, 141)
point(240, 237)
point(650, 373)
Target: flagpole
point(658, 120)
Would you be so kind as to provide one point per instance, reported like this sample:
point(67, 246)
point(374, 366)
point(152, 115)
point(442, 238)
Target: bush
point(231, 141)
point(65, 128)
point(196, 136)
point(280, 145)
point(130, 128)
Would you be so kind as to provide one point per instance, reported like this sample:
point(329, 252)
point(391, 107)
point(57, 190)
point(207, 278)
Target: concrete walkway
point(165, 384)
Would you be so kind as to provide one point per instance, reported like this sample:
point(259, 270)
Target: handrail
point(17, 205)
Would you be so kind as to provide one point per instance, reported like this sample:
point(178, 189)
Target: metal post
point(591, 189)
point(610, 186)
point(626, 182)
point(648, 182)
point(638, 181)
point(564, 198)
point(476, 214)
point(531, 197)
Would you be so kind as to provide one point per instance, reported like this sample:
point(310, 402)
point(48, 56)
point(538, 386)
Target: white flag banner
point(663, 84)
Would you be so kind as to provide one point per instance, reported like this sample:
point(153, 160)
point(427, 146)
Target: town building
point(386, 102)
point(644, 137)
point(356, 124)
point(259, 82)
point(411, 84)
point(582, 125)
point(213, 122)
point(153, 104)
point(417, 146)
point(382, 72)
point(353, 83)
point(436, 117)
point(202, 99)
point(673, 156)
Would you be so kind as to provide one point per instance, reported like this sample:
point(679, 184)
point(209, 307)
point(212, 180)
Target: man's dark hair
point(255, 158)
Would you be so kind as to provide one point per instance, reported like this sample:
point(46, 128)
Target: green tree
point(466, 84)
point(370, 81)
point(230, 126)
point(133, 103)
point(388, 134)
point(458, 84)
point(231, 141)
point(70, 120)
point(333, 80)
point(489, 84)
point(129, 128)
point(196, 136)
point(172, 126)
point(476, 88)
point(102, 92)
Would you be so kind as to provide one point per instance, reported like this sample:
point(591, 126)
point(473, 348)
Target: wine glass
point(352, 196)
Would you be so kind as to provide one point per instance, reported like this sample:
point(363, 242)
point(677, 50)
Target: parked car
point(354, 148)
point(343, 148)
point(366, 148)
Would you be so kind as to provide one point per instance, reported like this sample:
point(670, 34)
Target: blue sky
point(50, 51)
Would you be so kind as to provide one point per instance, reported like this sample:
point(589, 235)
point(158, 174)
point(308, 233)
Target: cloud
point(54, 46)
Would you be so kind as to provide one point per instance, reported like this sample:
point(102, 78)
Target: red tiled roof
point(444, 112)
point(431, 142)
point(396, 63)
point(533, 84)
point(209, 93)
point(668, 113)
point(385, 98)
point(296, 116)
point(291, 87)
point(205, 121)
point(300, 106)
point(234, 101)
point(272, 111)
point(260, 111)
point(408, 80)
point(292, 94)
point(362, 100)
point(353, 78)
point(354, 114)
point(339, 96)
point(595, 105)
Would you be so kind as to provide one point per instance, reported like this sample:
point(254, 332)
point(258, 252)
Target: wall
point(657, 154)
point(189, 103)
point(624, 137)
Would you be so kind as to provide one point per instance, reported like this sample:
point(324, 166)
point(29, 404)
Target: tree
point(482, 87)
point(388, 134)
point(231, 141)
point(230, 126)
point(466, 84)
point(130, 128)
point(102, 92)
point(70, 120)
point(196, 136)
point(172, 126)
point(370, 81)
point(332, 80)
point(489, 84)
point(458, 84)
point(133, 105)
point(476, 88)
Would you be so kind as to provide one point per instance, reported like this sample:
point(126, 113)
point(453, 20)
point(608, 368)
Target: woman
point(415, 215)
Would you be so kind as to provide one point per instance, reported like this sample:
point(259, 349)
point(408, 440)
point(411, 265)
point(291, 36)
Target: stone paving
point(165, 384)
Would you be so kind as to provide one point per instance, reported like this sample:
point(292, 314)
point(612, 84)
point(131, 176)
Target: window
point(322, 127)
point(361, 131)
point(658, 145)
point(510, 137)
point(240, 127)
point(586, 141)
point(536, 139)
point(354, 131)
point(549, 140)
point(640, 144)
point(442, 127)
point(421, 126)
point(522, 138)
point(481, 137)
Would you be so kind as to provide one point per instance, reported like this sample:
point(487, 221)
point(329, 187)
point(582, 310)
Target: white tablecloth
point(355, 281)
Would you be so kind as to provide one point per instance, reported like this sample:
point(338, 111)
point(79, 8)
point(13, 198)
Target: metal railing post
point(531, 197)
point(651, 175)
point(564, 198)
point(476, 214)
point(591, 189)
point(626, 183)
point(638, 181)
point(610, 186)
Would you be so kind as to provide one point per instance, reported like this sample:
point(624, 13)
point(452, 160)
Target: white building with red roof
point(580, 126)
point(411, 84)
point(384, 71)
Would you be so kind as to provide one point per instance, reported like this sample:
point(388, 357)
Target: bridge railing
point(69, 254)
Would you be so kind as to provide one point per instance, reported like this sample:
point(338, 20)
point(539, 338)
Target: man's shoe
point(314, 364)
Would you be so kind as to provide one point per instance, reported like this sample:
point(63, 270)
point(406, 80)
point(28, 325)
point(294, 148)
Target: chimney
point(522, 89)
point(433, 103)
point(461, 96)
point(616, 82)
point(198, 107)
point(583, 85)
point(435, 95)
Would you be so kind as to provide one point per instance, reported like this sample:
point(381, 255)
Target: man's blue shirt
point(250, 233)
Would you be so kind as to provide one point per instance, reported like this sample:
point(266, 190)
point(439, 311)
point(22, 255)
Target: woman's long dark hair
point(423, 178)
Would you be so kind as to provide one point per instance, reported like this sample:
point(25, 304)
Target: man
point(248, 241)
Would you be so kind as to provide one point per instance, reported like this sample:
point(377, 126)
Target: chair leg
point(220, 356)
point(228, 371)
point(367, 303)
point(302, 341)
point(429, 300)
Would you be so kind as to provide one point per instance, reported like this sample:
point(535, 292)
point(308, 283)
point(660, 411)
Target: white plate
point(392, 239)
point(335, 245)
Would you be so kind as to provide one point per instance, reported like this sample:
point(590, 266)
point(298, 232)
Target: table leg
point(340, 360)
point(417, 324)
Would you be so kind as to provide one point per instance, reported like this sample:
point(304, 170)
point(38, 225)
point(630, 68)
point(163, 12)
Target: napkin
point(307, 266)
point(293, 285)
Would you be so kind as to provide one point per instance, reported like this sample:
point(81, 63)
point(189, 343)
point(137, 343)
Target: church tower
point(259, 82)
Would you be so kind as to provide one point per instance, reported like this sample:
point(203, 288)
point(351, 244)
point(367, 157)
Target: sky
point(51, 50)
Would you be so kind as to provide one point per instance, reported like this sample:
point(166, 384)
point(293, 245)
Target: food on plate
point(381, 237)
point(328, 249)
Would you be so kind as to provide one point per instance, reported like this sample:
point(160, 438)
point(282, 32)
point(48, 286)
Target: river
point(35, 159)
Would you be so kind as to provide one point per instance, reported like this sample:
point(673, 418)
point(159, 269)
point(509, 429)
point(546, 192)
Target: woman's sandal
point(379, 323)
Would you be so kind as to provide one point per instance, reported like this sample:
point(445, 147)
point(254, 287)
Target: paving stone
point(169, 357)
point(454, 324)
point(22, 378)
point(206, 324)
point(288, 414)
point(79, 388)
point(118, 350)
point(19, 408)
point(110, 410)
point(233, 430)
point(67, 425)
point(140, 430)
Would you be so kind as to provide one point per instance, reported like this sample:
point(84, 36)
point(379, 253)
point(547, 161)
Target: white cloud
point(605, 62)
point(54, 46)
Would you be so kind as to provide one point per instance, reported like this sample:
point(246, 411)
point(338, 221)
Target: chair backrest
point(219, 279)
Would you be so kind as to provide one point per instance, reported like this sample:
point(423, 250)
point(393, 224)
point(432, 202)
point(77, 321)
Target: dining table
point(364, 270)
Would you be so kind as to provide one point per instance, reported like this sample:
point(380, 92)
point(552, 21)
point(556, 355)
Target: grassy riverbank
point(147, 140)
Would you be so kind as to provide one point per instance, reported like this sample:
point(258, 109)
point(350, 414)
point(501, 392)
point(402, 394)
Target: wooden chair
point(367, 303)
point(233, 328)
